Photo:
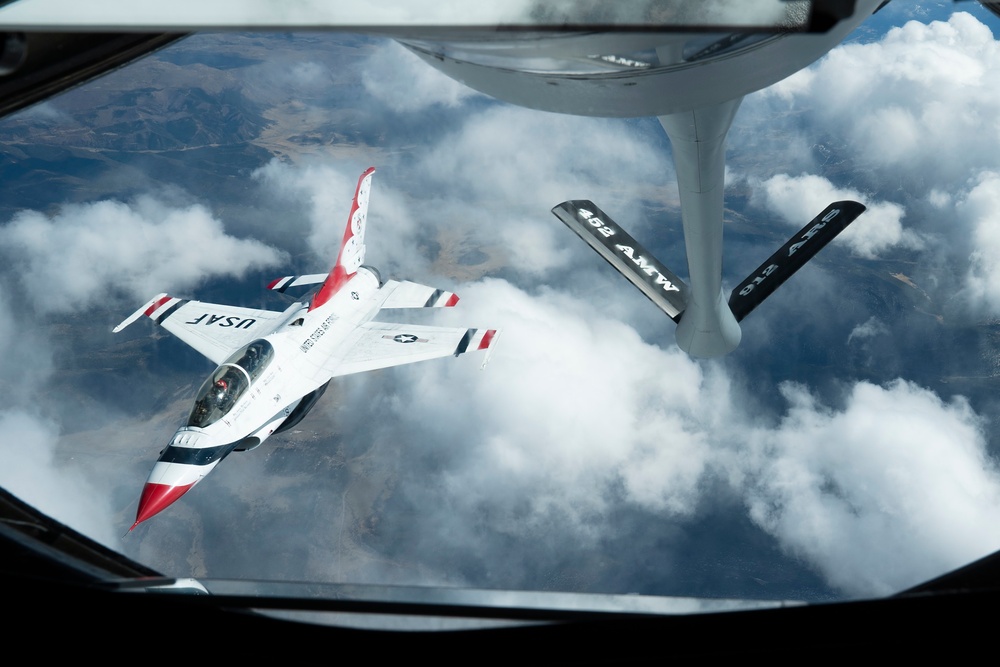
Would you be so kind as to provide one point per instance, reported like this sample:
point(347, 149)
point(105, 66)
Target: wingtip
point(145, 309)
point(489, 343)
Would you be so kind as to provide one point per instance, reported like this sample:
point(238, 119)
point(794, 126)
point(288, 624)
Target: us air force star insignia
point(354, 295)
point(405, 338)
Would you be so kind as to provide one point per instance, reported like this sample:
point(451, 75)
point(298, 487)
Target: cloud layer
point(980, 210)
point(927, 90)
point(75, 258)
point(398, 79)
point(911, 121)
point(30, 472)
point(795, 199)
point(590, 443)
point(897, 470)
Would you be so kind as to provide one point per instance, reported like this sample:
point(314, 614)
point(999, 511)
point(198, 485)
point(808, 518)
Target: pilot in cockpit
point(220, 391)
point(252, 359)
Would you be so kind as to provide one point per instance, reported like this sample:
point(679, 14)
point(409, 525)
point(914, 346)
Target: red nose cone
point(156, 498)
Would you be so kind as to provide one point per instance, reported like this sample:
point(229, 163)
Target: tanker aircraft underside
point(693, 82)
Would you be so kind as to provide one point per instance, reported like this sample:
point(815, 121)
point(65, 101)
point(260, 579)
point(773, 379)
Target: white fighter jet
point(274, 366)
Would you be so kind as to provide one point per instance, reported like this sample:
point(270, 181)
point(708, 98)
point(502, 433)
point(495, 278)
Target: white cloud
point(45, 113)
point(980, 208)
point(399, 79)
point(308, 74)
point(538, 249)
point(799, 198)
point(510, 186)
point(477, 184)
point(923, 100)
point(28, 444)
point(87, 252)
point(576, 417)
point(555, 157)
point(25, 356)
point(325, 190)
point(871, 328)
point(909, 121)
point(29, 472)
point(572, 406)
point(892, 490)
point(939, 198)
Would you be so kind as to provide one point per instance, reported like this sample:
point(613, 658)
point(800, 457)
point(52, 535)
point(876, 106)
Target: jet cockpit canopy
point(227, 383)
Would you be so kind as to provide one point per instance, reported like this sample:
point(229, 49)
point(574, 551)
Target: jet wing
point(406, 294)
point(377, 345)
point(215, 330)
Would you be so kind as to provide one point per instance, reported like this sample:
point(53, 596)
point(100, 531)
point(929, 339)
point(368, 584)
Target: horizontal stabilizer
point(624, 253)
point(407, 294)
point(281, 284)
point(790, 257)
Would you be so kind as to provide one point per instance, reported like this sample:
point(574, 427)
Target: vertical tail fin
point(352, 248)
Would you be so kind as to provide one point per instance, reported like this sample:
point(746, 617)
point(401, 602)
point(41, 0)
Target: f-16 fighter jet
point(274, 366)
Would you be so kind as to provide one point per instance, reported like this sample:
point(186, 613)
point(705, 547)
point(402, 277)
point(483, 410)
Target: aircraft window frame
point(234, 364)
point(214, 400)
point(237, 374)
point(243, 358)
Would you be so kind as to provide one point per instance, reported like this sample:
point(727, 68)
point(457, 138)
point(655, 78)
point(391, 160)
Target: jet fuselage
point(244, 401)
